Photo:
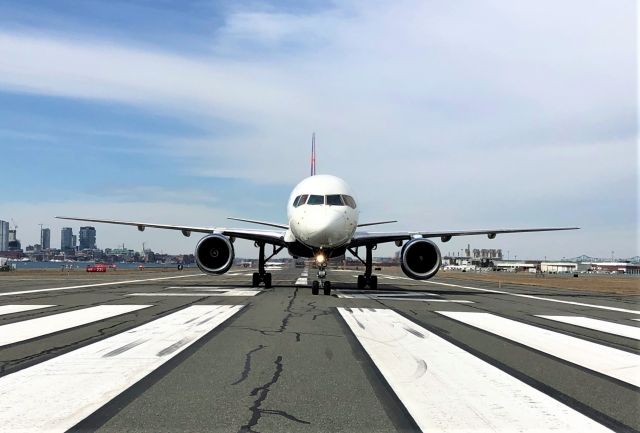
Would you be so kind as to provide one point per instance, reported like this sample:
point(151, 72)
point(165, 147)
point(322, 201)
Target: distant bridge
point(585, 258)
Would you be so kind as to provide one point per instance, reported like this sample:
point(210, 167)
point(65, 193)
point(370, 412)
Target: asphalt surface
point(291, 361)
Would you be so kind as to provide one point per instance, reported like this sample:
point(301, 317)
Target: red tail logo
point(313, 154)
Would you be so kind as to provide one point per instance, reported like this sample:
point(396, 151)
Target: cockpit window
point(316, 199)
point(300, 200)
point(349, 201)
point(334, 200)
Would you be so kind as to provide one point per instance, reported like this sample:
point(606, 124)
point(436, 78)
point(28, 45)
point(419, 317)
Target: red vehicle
point(97, 268)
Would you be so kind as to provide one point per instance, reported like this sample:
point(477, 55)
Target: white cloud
point(449, 114)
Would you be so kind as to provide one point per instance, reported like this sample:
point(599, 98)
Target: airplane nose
point(325, 229)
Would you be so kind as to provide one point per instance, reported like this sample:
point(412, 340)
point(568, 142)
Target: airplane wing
point(275, 237)
point(370, 238)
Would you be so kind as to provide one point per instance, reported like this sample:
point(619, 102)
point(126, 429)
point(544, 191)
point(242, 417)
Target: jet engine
point(420, 259)
point(214, 254)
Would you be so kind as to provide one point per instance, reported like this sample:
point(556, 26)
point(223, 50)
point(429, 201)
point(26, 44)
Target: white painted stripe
point(301, 282)
point(446, 389)
point(198, 287)
point(453, 301)
point(598, 325)
point(10, 309)
point(387, 293)
point(27, 329)
point(606, 360)
point(83, 286)
point(400, 296)
point(55, 395)
point(227, 293)
point(502, 292)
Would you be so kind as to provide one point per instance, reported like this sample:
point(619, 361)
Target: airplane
point(323, 222)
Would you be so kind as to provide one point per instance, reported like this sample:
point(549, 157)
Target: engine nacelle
point(420, 259)
point(214, 254)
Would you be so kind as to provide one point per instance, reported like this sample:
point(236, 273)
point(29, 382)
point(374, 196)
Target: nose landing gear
point(321, 282)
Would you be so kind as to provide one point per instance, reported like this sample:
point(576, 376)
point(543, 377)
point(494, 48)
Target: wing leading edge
point(368, 238)
point(274, 237)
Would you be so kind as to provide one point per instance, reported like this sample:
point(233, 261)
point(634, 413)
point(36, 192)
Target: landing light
point(320, 258)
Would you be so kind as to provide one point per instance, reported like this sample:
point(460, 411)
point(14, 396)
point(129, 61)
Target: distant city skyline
point(92, 235)
point(443, 116)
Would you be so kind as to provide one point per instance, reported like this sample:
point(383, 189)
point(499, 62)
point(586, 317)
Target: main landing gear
point(368, 279)
point(321, 281)
point(262, 276)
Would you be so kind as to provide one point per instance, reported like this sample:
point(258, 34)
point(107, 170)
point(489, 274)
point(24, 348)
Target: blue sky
point(441, 115)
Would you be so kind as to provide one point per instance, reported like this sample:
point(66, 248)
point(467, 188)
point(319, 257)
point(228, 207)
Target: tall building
point(87, 238)
point(66, 239)
point(4, 235)
point(14, 243)
point(74, 241)
point(45, 239)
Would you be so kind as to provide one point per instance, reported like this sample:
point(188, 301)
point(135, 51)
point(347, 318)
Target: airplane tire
point(267, 281)
point(327, 288)
point(361, 282)
point(315, 288)
point(255, 281)
point(373, 282)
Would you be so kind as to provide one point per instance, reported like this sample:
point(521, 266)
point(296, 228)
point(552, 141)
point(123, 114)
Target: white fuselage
point(328, 215)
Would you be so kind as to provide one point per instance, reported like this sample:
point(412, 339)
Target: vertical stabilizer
point(313, 154)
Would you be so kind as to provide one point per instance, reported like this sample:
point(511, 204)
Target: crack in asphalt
point(269, 333)
point(283, 325)
point(285, 319)
point(247, 364)
point(262, 392)
point(311, 304)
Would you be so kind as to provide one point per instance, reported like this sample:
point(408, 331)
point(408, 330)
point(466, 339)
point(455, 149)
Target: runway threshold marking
point(400, 296)
point(209, 293)
point(560, 301)
point(445, 388)
point(598, 325)
point(452, 301)
point(111, 283)
point(57, 394)
point(10, 309)
point(32, 328)
point(606, 360)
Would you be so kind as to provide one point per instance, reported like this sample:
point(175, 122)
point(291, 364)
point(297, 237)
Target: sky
point(442, 115)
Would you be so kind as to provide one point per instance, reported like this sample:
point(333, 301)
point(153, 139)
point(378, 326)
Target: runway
point(181, 351)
